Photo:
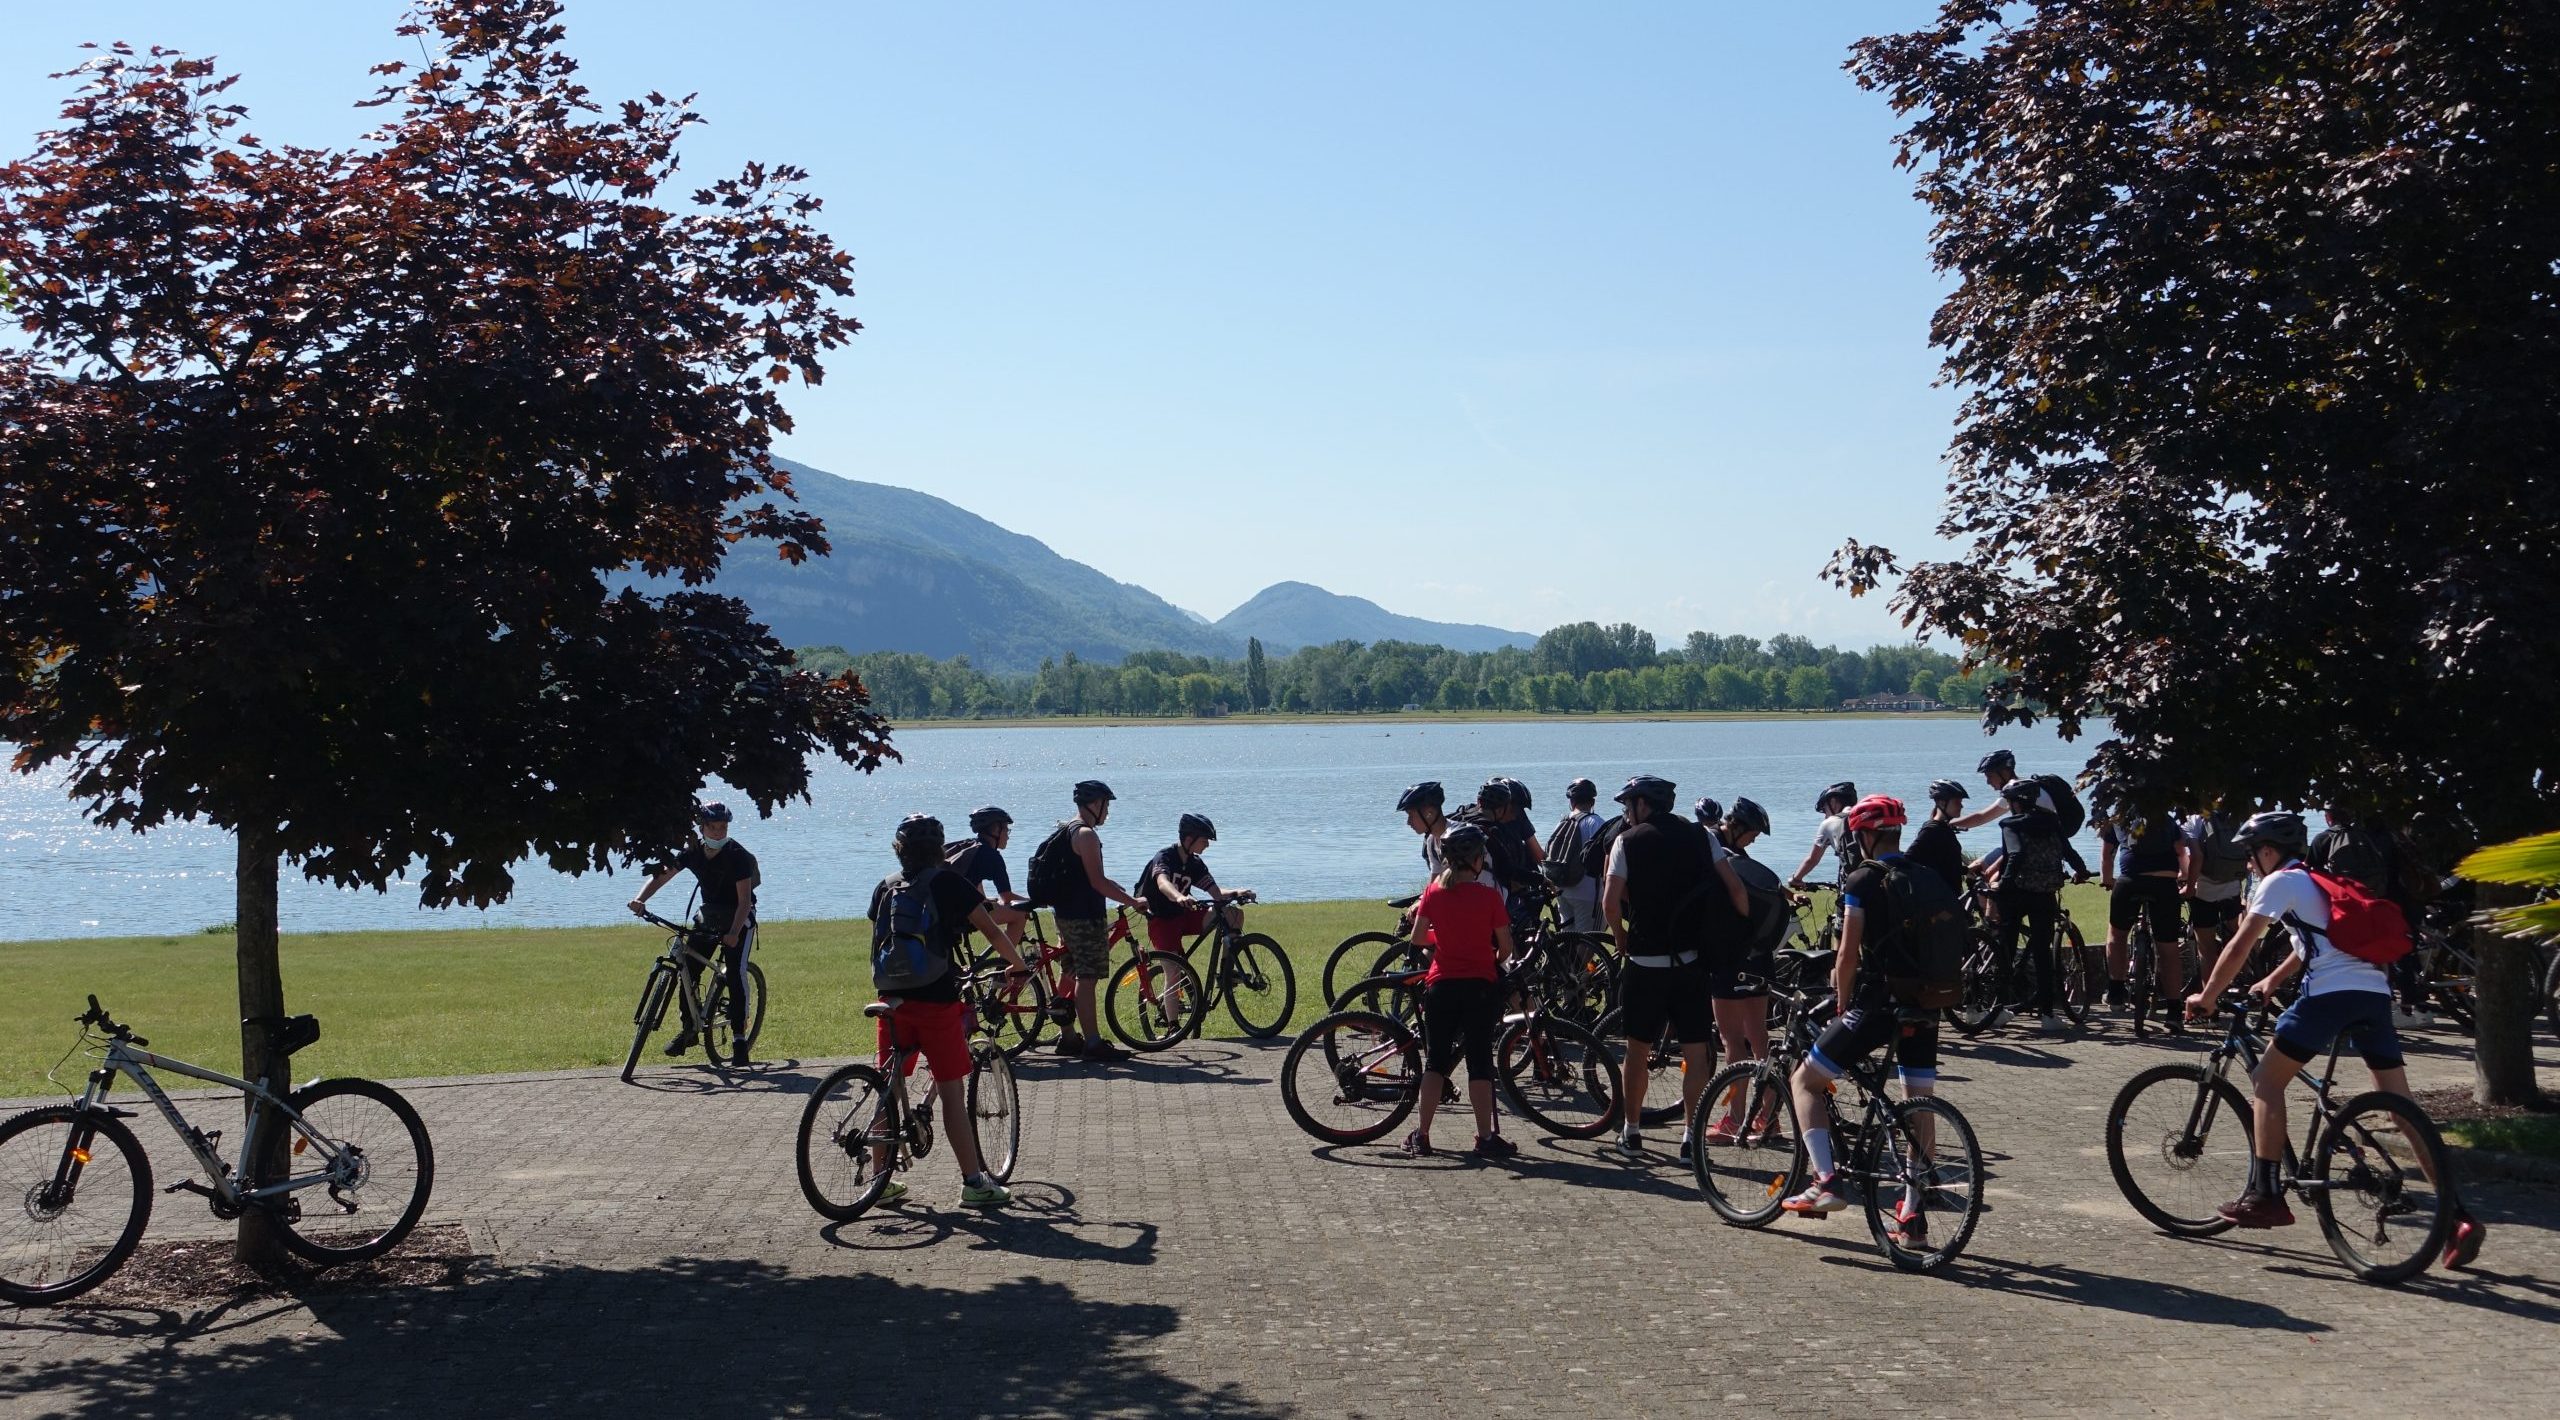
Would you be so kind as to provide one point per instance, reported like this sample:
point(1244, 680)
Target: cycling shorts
point(939, 1030)
point(2311, 1022)
point(2216, 919)
point(1460, 1016)
point(2136, 898)
point(1172, 934)
point(1868, 1024)
point(1746, 979)
point(1087, 942)
point(1650, 997)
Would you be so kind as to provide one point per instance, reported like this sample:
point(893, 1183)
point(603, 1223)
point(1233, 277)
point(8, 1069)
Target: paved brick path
point(1180, 1249)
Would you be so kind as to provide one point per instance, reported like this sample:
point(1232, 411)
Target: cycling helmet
point(1997, 759)
point(1495, 793)
point(1748, 816)
point(1940, 789)
point(1581, 791)
point(2276, 829)
point(1426, 795)
point(713, 812)
point(1661, 793)
point(1708, 812)
point(1093, 791)
point(1841, 794)
point(1194, 826)
point(1466, 841)
point(1877, 811)
point(987, 818)
point(1519, 794)
point(917, 832)
point(2023, 795)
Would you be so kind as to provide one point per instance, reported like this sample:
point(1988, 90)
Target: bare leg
point(955, 1126)
point(1693, 1079)
point(1480, 1096)
point(1434, 1084)
point(1631, 1088)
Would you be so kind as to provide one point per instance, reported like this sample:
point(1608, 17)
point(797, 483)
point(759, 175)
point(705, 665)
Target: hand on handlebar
point(638, 908)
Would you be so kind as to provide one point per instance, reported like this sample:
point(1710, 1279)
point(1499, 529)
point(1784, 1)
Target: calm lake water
point(1304, 812)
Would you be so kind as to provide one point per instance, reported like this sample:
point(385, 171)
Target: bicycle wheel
point(1579, 978)
point(1558, 1076)
point(1351, 1077)
point(1744, 1143)
point(995, 1109)
point(1013, 1011)
point(717, 1034)
point(1348, 961)
point(58, 1239)
point(2178, 1144)
point(1984, 986)
point(1152, 1000)
point(373, 1149)
point(1928, 1157)
point(850, 1112)
point(1665, 1067)
point(1260, 985)
point(2139, 987)
point(654, 995)
point(2380, 1180)
point(1397, 997)
point(2084, 973)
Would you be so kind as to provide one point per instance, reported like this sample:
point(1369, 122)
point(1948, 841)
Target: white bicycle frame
point(123, 1058)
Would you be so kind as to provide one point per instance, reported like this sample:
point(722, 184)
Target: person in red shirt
point(1470, 933)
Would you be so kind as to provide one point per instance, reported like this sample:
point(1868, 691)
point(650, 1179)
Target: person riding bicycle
point(2027, 893)
point(1936, 846)
point(1874, 929)
point(981, 861)
point(1662, 872)
point(1833, 836)
point(1084, 930)
point(2138, 867)
point(1580, 903)
point(1470, 935)
point(1173, 917)
point(2341, 994)
point(727, 876)
point(1511, 847)
point(932, 1020)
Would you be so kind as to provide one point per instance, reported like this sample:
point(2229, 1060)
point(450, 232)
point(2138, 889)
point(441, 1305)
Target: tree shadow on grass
point(737, 1336)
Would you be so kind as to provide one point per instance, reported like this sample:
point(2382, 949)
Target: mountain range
point(911, 572)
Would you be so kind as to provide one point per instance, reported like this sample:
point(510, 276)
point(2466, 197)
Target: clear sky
point(1511, 313)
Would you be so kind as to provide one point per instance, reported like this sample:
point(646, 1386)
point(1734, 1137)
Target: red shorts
point(937, 1029)
point(1172, 934)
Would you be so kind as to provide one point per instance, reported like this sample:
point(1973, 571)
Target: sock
point(1817, 1147)
point(2262, 1178)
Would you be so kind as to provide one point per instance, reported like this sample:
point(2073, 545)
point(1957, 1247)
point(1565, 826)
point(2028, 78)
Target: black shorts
point(2135, 898)
point(2216, 919)
point(1650, 997)
point(1745, 979)
point(1870, 1023)
point(1460, 1016)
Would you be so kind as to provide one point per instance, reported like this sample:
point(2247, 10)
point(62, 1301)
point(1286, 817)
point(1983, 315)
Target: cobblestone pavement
point(1180, 1248)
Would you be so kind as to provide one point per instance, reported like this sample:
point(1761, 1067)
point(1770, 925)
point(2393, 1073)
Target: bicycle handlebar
point(97, 1016)
point(654, 919)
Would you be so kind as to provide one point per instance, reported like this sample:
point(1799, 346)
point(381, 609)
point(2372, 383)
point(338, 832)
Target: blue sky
point(1507, 313)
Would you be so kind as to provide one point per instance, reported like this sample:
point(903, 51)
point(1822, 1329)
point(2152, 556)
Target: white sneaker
point(2049, 1023)
point(2402, 1018)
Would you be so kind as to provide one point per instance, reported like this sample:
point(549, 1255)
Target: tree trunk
point(2504, 997)
point(261, 994)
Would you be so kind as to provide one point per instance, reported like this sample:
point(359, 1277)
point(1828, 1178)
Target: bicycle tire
point(306, 1231)
point(1397, 996)
point(1153, 1016)
point(995, 1109)
point(1984, 985)
point(1356, 943)
point(849, 1108)
point(1966, 1213)
point(2144, 965)
point(1664, 1059)
point(1258, 970)
point(2082, 976)
point(2167, 1131)
point(1558, 1076)
point(2347, 1136)
point(646, 1016)
point(1352, 1058)
point(1747, 1180)
point(716, 1033)
point(1012, 1011)
point(30, 1286)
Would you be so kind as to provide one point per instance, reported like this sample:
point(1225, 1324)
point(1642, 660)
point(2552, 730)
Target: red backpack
point(2362, 925)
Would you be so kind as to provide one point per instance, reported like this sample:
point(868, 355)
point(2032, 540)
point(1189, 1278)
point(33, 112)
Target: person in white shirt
point(1833, 836)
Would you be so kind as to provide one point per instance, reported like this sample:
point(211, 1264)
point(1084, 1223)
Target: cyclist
point(1083, 931)
point(2340, 993)
point(1833, 836)
point(1462, 994)
point(727, 876)
point(2028, 895)
point(1511, 844)
point(1739, 986)
point(1935, 846)
point(1661, 870)
point(932, 1019)
point(981, 861)
point(1581, 902)
point(1173, 918)
point(1708, 813)
point(2138, 867)
point(2369, 852)
point(1422, 806)
point(2213, 875)
point(1999, 769)
point(1872, 932)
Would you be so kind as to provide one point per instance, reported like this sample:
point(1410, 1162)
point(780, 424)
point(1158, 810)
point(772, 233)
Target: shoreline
point(1420, 717)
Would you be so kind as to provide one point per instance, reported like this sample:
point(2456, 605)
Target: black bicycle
point(691, 955)
point(1355, 1074)
point(1366, 954)
point(2144, 988)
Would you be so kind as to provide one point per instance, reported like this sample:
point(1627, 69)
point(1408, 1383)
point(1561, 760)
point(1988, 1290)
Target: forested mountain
point(1287, 615)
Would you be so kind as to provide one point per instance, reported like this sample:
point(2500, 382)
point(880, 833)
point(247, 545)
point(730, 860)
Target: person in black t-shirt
point(1662, 872)
point(1165, 885)
point(981, 862)
point(1935, 844)
point(727, 876)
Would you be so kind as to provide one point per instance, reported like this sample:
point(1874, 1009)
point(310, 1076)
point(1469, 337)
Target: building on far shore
point(1891, 702)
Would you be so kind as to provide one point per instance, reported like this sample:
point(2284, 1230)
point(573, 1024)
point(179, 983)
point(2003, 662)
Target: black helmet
point(1946, 789)
point(2025, 794)
point(1661, 793)
point(2278, 829)
point(1519, 794)
point(916, 832)
point(1194, 826)
point(1093, 791)
point(1843, 794)
point(713, 812)
point(1581, 791)
point(1997, 759)
point(1495, 793)
point(1747, 815)
point(987, 818)
point(1708, 812)
point(1426, 795)
point(1466, 840)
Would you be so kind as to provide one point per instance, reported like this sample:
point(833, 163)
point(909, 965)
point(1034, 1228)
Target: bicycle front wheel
point(2138, 987)
point(654, 995)
point(1744, 1144)
point(1351, 1077)
point(848, 1136)
point(77, 1190)
point(719, 1035)
point(1261, 986)
point(2084, 973)
point(1984, 986)
point(1350, 960)
point(995, 1109)
point(372, 1149)
point(2178, 1144)
point(1013, 1011)
point(1929, 1170)
point(1558, 1076)
point(2382, 1184)
point(1398, 997)
point(1152, 1000)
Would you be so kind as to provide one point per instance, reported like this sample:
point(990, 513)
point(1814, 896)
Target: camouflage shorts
point(1088, 944)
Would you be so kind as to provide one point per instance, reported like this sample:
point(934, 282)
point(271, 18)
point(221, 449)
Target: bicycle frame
point(2241, 1043)
point(689, 967)
point(125, 1059)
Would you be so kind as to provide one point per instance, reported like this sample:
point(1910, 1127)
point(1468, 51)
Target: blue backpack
point(910, 947)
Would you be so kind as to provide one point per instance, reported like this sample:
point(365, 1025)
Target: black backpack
point(1054, 865)
point(2066, 804)
point(1595, 859)
point(2220, 858)
point(1562, 861)
point(910, 946)
point(1930, 938)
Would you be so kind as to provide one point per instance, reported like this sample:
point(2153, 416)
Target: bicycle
point(77, 1210)
point(2143, 958)
point(705, 1013)
point(2188, 1127)
point(1015, 1011)
point(860, 1128)
point(1363, 1071)
point(1921, 1149)
point(1247, 970)
point(1163, 992)
point(1353, 954)
point(1990, 993)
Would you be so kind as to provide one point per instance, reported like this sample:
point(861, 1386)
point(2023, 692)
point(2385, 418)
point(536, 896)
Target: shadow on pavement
point(1042, 1223)
point(732, 1337)
point(1194, 1063)
point(772, 1077)
point(2107, 1291)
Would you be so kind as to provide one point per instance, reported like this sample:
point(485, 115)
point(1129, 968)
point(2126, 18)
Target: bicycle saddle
point(880, 1010)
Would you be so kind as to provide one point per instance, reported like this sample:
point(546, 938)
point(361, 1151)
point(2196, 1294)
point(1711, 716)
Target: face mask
point(714, 845)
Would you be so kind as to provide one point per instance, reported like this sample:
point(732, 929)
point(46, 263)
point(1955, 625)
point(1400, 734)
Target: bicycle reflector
point(79, 1156)
point(301, 1144)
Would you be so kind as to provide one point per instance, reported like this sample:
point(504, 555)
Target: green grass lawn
point(2534, 1135)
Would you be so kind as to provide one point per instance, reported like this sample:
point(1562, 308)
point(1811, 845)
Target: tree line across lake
point(1582, 667)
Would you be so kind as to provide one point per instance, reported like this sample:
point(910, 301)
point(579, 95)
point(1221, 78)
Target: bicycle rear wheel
point(1152, 1000)
point(1013, 1011)
point(1351, 1077)
point(2382, 1184)
point(995, 1109)
point(1260, 985)
point(1931, 1165)
point(718, 1035)
point(850, 1112)
point(1558, 1076)
point(1665, 1067)
point(2145, 967)
point(1397, 997)
point(645, 1018)
point(2083, 970)
point(1984, 986)
point(2178, 1144)
point(1744, 1148)
point(60, 1238)
point(1350, 961)
point(373, 1148)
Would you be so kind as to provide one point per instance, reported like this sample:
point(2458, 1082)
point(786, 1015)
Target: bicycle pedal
point(188, 1185)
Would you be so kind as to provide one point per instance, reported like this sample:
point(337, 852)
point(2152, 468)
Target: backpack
point(1771, 913)
point(1931, 936)
point(2066, 804)
point(2361, 924)
point(2220, 858)
point(1562, 862)
point(1595, 859)
point(2036, 865)
point(910, 948)
point(2349, 851)
point(1051, 875)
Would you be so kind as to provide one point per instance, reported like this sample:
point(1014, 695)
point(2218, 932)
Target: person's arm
point(1812, 857)
point(2106, 857)
point(650, 888)
point(2190, 863)
point(2283, 973)
point(1733, 887)
point(1089, 849)
point(1613, 906)
point(1853, 935)
point(746, 909)
point(1988, 813)
point(2071, 855)
point(988, 927)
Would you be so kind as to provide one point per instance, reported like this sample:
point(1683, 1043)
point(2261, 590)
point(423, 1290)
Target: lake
point(1305, 812)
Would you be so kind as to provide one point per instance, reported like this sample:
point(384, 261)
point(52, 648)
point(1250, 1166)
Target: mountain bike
point(1921, 1149)
point(703, 1013)
point(1364, 954)
point(1354, 1075)
point(862, 1126)
point(1015, 1011)
point(2378, 1176)
point(2143, 984)
point(1990, 993)
point(1247, 970)
point(1150, 1000)
point(78, 1183)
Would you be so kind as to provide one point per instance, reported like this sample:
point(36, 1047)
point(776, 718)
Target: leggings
point(1459, 1017)
point(736, 960)
point(2023, 911)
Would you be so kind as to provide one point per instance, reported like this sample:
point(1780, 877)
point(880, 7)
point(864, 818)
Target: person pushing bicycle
point(1173, 917)
point(728, 878)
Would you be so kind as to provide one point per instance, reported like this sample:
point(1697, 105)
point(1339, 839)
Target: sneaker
point(2256, 1210)
point(738, 1056)
point(990, 1194)
point(2049, 1023)
point(1103, 1052)
point(2463, 1248)
point(1820, 1199)
point(1070, 1044)
point(1630, 1143)
point(1494, 1146)
point(892, 1192)
point(681, 1044)
point(2119, 997)
point(1688, 1148)
point(1417, 1147)
point(1910, 1224)
point(1727, 1130)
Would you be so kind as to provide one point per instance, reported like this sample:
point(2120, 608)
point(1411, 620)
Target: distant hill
point(1288, 615)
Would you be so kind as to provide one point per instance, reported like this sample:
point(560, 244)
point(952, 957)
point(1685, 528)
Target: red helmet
point(1877, 811)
